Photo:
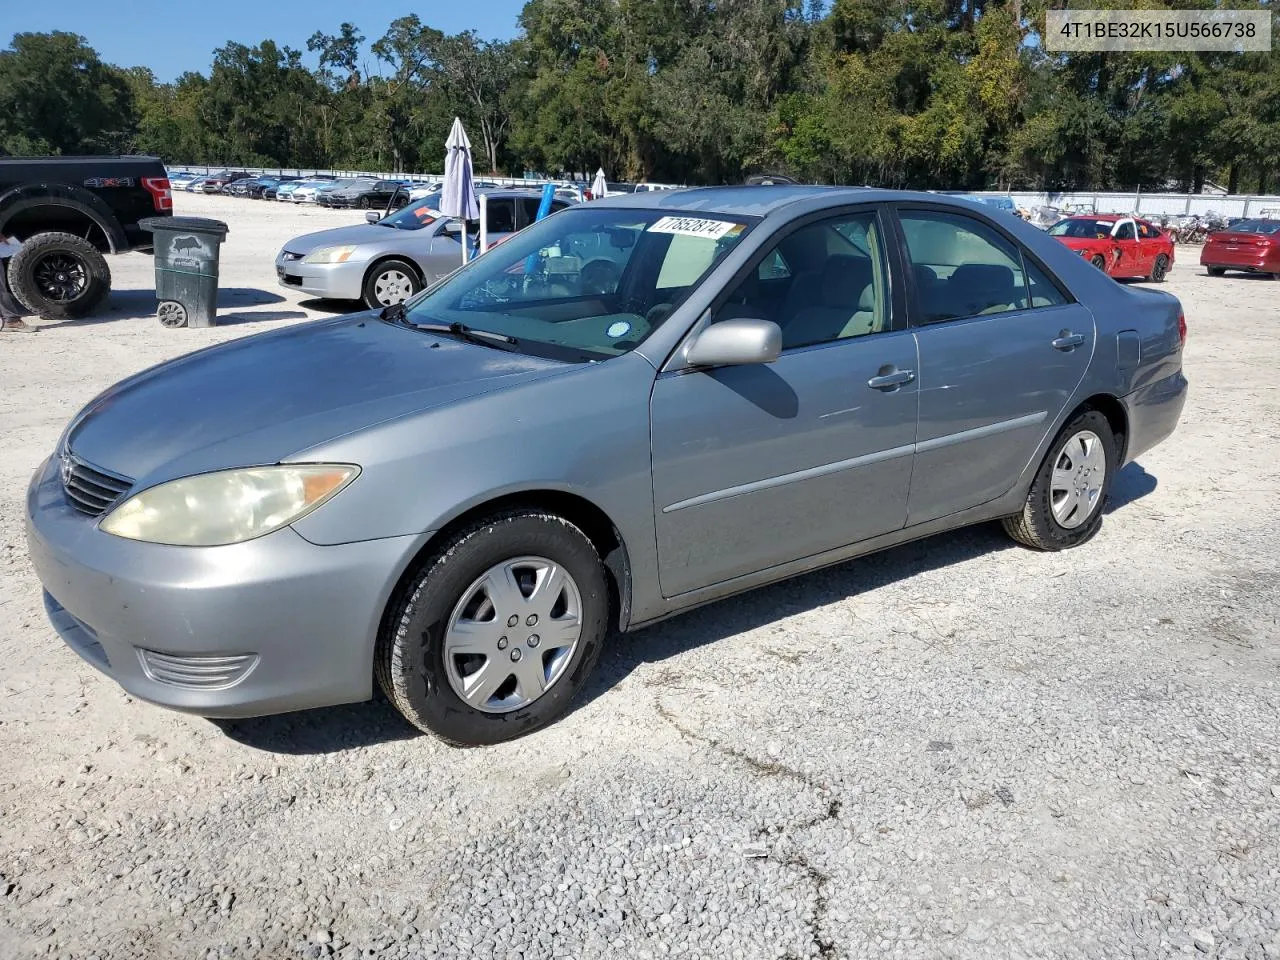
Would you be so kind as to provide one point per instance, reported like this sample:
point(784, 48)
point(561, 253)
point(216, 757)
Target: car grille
point(88, 488)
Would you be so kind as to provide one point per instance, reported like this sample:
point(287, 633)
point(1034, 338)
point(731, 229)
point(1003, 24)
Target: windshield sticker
point(619, 329)
point(696, 227)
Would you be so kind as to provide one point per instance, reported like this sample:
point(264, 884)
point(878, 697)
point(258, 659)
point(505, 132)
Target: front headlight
point(330, 255)
point(230, 506)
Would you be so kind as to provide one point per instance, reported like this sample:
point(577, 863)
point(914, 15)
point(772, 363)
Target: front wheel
point(1064, 505)
point(497, 631)
point(390, 282)
point(1160, 269)
point(1216, 271)
point(1100, 262)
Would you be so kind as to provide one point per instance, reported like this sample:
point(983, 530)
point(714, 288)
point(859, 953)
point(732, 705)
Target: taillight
point(161, 196)
point(1182, 329)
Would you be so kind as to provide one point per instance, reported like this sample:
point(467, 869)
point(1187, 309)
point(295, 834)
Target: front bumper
point(329, 281)
point(309, 613)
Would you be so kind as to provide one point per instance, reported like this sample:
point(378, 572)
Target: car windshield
point(585, 284)
point(1256, 226)
point(1084, 227)
point(419, 214)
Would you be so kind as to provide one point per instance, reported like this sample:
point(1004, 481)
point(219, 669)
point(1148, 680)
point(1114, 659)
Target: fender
point(82, 201)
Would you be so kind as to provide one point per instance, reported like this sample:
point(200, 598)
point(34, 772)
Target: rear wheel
point(1160, 269)
point(1099, 261)
point(389, 282)
point(1216, 271)
point(1064, 505)
point(59, 276)
point(497, 631)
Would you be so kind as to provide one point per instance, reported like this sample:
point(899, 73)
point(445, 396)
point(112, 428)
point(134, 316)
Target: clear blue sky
point(171, 38)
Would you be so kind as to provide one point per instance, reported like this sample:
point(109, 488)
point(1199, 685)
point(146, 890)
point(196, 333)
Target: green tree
point(56, 96)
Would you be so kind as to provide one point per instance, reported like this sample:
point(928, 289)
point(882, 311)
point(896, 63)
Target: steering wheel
point(599, 277)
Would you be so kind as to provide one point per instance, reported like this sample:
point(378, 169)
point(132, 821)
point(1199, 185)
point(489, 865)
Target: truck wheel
point(59, 276)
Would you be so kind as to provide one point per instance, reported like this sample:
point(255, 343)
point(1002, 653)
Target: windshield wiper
point(396, 313)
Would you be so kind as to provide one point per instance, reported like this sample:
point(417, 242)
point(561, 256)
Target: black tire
point(363, 203)
point(1035, 525)
point(381, 270)
point(409, 660)
point(1160, 269)
point(59, 276)
point(1216, 271)
point(1100, 262)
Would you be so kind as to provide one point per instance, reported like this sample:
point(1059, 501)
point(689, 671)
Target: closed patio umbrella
point(458, 192)
point(598, 187)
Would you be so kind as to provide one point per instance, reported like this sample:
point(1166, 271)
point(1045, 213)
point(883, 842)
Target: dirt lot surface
point(957, 748)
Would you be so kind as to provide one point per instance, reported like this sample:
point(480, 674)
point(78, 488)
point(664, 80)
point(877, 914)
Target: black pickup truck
point(68, 212)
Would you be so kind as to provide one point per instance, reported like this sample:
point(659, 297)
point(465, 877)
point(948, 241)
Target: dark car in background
point(258, 186)
point(324, 194)
point(214, 182)
point(366, 196)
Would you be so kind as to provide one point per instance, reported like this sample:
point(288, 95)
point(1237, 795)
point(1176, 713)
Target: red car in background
point(1120, 246)
point(1251, 245)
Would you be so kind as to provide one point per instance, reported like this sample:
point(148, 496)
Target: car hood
point(261, 399)
point(355, 234)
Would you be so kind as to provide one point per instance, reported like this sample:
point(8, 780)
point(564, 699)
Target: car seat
point(846, 300)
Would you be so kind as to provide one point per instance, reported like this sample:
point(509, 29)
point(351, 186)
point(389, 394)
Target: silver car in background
point(388, 260)
point(463, 495)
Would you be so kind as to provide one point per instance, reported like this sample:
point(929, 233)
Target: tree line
point(947, 94)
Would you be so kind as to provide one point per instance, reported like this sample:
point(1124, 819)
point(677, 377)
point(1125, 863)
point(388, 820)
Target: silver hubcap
point(513, 634)
point(1076, 483)
point(392, 287)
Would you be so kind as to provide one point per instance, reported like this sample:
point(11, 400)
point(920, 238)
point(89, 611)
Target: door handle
point(891, 381)
point(1067, 340)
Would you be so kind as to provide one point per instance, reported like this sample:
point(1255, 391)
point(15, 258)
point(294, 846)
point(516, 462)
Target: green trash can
point(186, 251)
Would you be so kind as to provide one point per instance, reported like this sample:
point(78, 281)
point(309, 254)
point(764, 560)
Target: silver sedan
point(631, 408)
point(388, 260)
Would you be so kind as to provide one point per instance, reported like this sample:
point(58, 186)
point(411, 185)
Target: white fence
point(202, 168)
point(530, 179)
point(1148, 204)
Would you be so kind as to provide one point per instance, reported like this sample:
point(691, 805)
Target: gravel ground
point(957, 748)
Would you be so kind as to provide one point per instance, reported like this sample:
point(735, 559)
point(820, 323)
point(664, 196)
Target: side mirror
point(453, 227)
point(735, 343)
point(373, 216)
